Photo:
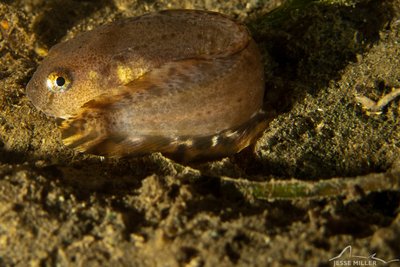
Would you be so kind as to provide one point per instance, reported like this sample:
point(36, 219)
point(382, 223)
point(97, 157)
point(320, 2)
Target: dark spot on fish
point(120, 58)
point(127, 96)
point(106, 70)
point(155, 90)
point(172, 71)
point(184, 78)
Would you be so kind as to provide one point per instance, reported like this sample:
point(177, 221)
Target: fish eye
point(58, 82)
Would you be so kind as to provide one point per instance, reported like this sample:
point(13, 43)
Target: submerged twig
point(376, 107)
point(293, 189)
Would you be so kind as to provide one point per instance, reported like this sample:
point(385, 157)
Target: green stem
point(292, 189)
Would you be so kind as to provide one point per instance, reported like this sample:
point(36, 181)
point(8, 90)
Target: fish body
point(187, 83)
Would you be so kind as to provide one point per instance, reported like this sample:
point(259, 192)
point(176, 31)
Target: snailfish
point(186, 83)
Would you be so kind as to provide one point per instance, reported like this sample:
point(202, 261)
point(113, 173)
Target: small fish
point(186, 83)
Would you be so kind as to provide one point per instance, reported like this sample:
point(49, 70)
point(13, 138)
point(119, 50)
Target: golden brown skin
point(185, 83)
